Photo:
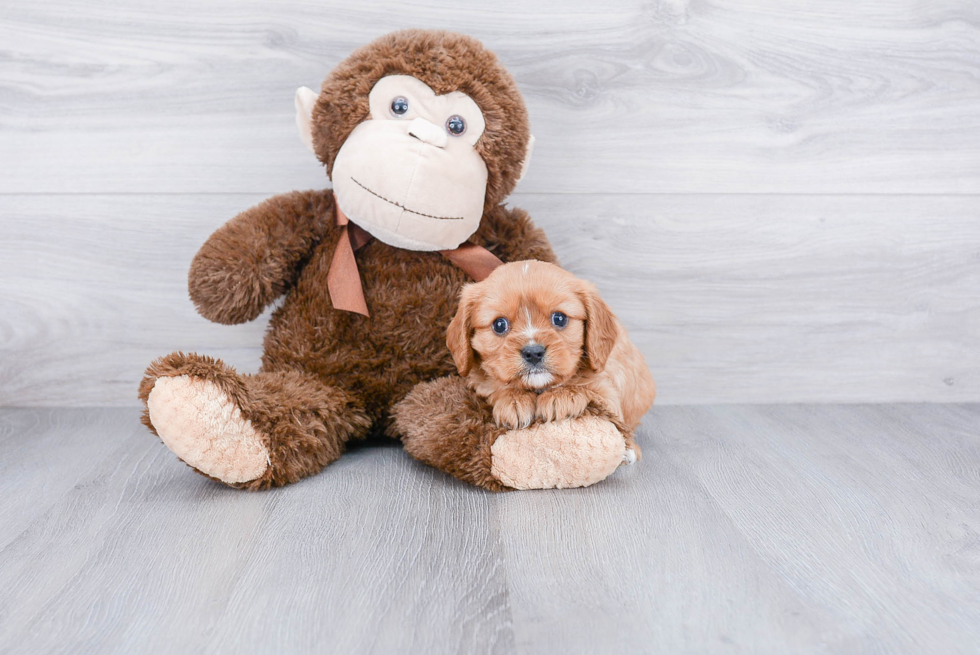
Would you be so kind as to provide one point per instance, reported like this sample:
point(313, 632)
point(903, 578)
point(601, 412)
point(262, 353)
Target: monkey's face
point(410, 174)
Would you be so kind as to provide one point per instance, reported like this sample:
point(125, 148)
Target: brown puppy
point(538, 342)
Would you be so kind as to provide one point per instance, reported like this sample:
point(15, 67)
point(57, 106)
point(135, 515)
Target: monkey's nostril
point(533, 354)
point(427, 132)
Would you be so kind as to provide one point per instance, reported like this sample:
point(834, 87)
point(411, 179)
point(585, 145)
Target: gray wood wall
point(781, 200)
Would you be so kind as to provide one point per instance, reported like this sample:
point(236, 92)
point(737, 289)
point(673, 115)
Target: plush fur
point(330, 376)
point(446, 425)
point(446, 62)
point(304, 422)
point(558, 455)
point(197, 420)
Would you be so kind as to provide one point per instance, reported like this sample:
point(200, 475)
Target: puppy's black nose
point(533, 354)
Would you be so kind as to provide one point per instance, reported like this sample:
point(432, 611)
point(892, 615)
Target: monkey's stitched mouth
point(401, 206)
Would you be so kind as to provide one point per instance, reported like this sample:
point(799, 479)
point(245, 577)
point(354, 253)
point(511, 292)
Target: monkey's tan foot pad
point(206, 429)
point(558, 455)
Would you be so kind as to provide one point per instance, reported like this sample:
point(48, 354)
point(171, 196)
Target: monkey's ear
point(305, 99)
point(527, 158)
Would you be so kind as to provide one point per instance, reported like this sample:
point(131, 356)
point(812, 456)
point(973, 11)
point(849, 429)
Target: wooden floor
point(791, 528)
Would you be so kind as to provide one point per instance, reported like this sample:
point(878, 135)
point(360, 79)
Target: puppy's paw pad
point(629, 457)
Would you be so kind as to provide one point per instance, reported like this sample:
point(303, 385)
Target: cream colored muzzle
point(428, 132)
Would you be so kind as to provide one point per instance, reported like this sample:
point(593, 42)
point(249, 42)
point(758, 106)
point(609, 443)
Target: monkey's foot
point(206, 429)
point(559, 455)
point(446, 425)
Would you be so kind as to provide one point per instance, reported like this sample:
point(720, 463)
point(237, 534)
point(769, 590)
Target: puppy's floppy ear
point(460, 328)
point(600, 327)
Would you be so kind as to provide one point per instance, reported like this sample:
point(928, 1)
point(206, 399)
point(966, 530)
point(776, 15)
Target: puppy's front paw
point(561, 403)
point(513, 409)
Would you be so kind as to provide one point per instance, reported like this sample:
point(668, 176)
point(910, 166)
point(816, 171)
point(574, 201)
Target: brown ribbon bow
point(344, 281)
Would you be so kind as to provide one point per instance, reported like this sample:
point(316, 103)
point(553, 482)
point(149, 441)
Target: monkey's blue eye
point(559, 320)
point(456, 125)
point(399, 106)
point(500, 326)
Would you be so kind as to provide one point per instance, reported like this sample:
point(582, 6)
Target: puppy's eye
point(559, 320)
point(399, 106)
point(500, 326)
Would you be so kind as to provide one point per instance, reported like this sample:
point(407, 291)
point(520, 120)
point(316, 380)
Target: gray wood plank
point(870, 513)
point(679, 96)
point(380, 553)
point(750, 529)
point(47, 454)
point(645, 563)
point(762, 529)
point(731, 298)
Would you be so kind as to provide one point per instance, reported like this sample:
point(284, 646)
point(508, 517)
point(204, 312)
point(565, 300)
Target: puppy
point(539, 343)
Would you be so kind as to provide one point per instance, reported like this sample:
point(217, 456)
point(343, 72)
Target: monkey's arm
point(510, 235)
point(255, 257)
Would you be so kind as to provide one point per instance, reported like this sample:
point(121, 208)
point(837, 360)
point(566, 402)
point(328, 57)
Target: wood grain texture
point(45, 455)
point(637, 97)
point(751, 529)
point(142, 554)
point(731, 298)
point(735, 177)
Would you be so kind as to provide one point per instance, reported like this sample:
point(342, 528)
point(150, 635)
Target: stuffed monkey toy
point(423, 134)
